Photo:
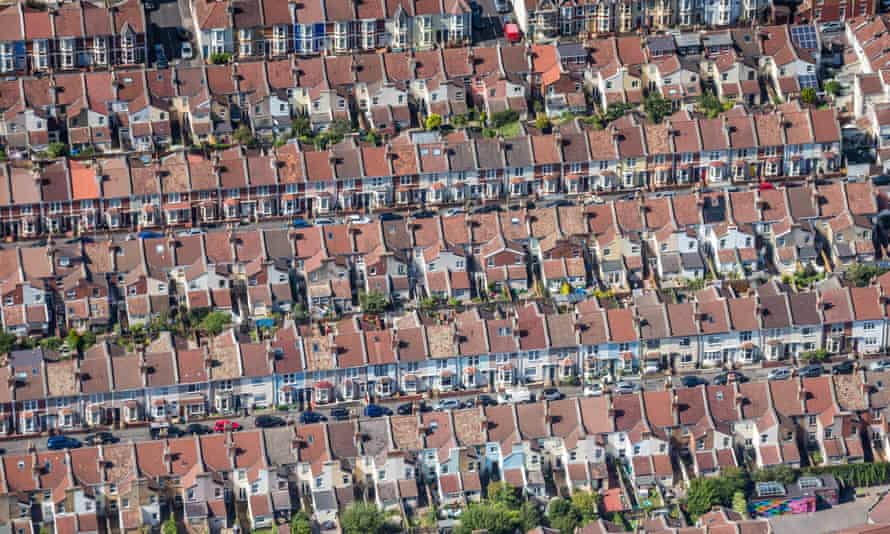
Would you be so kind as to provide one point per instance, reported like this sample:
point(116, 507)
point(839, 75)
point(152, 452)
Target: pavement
point(842, 516)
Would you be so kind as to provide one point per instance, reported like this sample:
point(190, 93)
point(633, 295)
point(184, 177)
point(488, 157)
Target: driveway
point(842, 516)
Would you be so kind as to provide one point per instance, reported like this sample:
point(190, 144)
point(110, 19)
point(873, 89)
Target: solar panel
point(804, 36)
point(770, 489)
point(808, 80)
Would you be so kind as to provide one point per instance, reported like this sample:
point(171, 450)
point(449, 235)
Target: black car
point(405, 409)
point(268, 421)
point(390, 217)
point(811, 371)
point(311, 417)
point(732, 376)
point(197, 429)
point(339, 414)
point(691, 381)
point(423, 214)
point(487, 400)
point(100, 438)
point(881, 179)
point(846, 367)
point(171, 431)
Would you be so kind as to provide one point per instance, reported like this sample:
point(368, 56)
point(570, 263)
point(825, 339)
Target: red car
point(224, 424)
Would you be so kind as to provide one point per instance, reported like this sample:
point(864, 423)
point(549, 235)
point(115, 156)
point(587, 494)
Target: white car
point(625, 387)
point(186, 50)
point(448, 404)
point(593, 390)
point(358, 219)
point(880, 365)
point(780, 373)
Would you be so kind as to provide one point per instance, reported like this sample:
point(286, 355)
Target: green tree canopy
point(433, 121)
point(657, 108)
point(563, 515)
point(502, 493)
point(300, 523)
point(495, 518)
point(215, 322)
point(363, 518)
point(808, 95)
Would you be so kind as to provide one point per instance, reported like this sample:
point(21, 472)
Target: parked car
point(691, 381)
point(300, 222)
point(490, 208)
point(405, 409)
point(880, 365)
point(197, 429)
point(551, 394)
point(811, 371)
point(322, 221)
point(729, 377)
point(357, 219)
point(224, 424)
point(846, 367)
point(267, 421)
point(148, 234)
point(186, 50)
point(487, 400)
point(779, 373)
point(375, 410)
point(160, 56)
point(58, 443)
point(624, 387)
point(593, 390)
point(423, 214)
point(340, 414)
point(100, 438)
point(310, 417)
point(390, 217)
point(447, 404)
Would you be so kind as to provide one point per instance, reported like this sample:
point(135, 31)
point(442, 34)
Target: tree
point(587, 504)
point(709, 104)
point(56, 150)
point(502, 493)
point(861, 275)
point(243, 136)
point(657, 108)
point(616, 110)
point(373, 302)
point(815, 356)
point(808, 95)
point(495, 518)
point(619, 519)
point(363, 518)
point(214, 323)
point(300, 524)
point(701, 496)
point(740, 503)
point(301, 126)
point(542, 122)
point(7, 342)
point(501, 118)
point(169, 526)
point(529, 516)
point(563, 515)
point(73, 340)
point(833, 87)
point(433, 121)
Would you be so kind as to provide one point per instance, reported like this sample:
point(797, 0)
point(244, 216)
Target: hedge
point(855, 475)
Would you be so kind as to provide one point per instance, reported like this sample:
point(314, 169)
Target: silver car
point(780, 373)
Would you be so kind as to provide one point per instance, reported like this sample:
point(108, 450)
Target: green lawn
point(511, 129)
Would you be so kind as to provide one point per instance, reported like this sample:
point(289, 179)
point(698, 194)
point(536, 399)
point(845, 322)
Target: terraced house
point(256, 28)
point(74, 35)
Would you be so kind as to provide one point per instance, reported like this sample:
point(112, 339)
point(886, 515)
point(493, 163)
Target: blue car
point(307, 418)
point(300, 223)
point(148, 234)
point(375, 410)
point(57, 443)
